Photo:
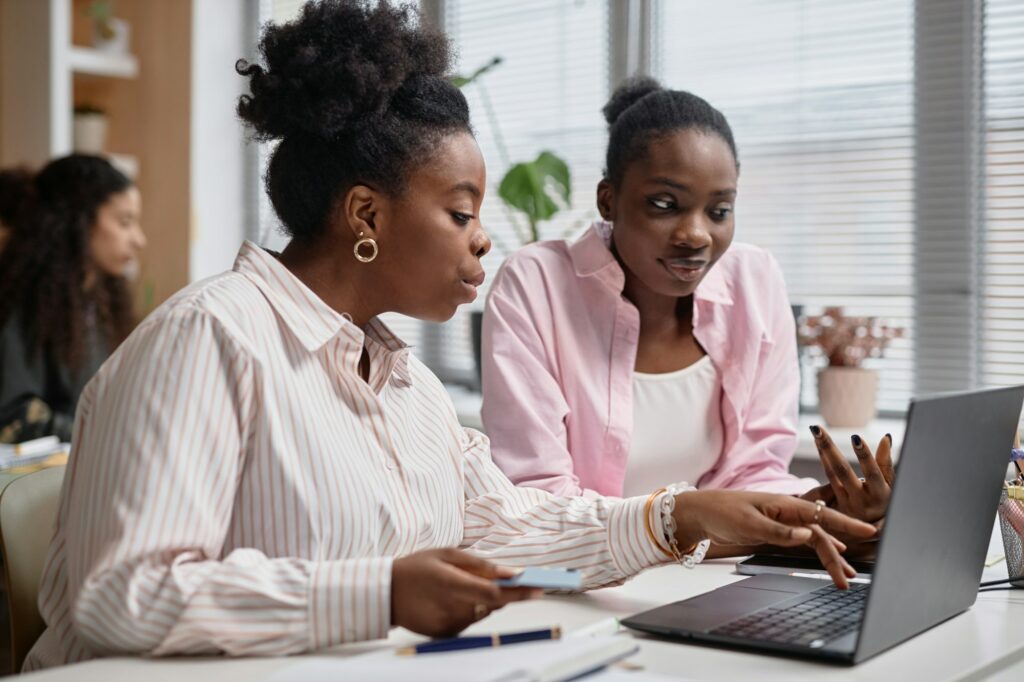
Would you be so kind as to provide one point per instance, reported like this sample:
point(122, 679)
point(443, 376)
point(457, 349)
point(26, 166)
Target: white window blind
point(546, 94)
point(820, 97)
point(1002, 268)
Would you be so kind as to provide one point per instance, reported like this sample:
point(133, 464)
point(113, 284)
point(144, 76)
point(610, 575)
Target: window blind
point(546, 94)
point(820, 97)
point(1001, 334)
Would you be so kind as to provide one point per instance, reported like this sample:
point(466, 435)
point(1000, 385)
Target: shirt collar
point(591, 255)
point(313, 322)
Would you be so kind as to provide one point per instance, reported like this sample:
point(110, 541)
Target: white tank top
point(677, 427)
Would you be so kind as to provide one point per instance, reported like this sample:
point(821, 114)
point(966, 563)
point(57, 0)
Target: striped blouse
point(235, 486)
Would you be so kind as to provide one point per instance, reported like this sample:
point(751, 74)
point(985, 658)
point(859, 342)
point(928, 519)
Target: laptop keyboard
point(824, 615)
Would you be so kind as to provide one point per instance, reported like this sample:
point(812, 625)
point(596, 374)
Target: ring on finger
point(480, 611)
point(818, 506)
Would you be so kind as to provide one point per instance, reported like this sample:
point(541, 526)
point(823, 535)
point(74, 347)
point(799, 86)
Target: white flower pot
point(847, 396)
point(90, 133)
point(119, 42)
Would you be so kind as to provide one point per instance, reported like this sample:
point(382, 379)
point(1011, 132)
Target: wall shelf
point(93, 62)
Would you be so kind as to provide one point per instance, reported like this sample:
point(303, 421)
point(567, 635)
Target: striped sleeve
point(603, 537)
point(152, 482)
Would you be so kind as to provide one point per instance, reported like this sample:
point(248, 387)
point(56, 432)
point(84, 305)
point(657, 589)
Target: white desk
point(986, 642)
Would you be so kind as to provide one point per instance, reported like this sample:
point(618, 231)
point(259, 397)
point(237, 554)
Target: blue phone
point(546, 578)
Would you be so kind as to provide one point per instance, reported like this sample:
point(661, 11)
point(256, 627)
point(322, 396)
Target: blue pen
point(477, 642)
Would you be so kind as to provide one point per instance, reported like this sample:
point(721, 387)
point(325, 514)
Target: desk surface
point(985, 642)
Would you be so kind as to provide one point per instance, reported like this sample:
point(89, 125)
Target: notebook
point(547, 661)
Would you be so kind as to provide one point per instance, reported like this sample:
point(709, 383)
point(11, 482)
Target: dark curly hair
point(641, 109)
point(46, 259)
point(356, 92)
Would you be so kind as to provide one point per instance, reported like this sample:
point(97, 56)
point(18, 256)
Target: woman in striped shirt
point(263, 468)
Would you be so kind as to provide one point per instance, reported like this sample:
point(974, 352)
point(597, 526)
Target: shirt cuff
point(349, 601)
point(630, 547)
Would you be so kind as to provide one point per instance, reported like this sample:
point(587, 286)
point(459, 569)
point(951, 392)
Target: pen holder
point(1011, 523)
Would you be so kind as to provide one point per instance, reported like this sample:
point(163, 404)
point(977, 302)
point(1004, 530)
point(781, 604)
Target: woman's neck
point(337, 284)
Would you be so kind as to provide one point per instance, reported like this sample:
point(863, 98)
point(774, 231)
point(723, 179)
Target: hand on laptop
point(862, 498)
point(732, 517)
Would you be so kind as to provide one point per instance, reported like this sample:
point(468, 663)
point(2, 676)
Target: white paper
point(614, 674)
point(509, 663)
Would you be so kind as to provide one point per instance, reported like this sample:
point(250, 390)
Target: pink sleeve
point(759, 459)
point(524, 409)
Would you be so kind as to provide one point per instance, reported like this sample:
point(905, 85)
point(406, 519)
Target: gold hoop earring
point(365, 241)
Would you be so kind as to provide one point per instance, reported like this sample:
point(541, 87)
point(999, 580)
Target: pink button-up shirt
point(559, 350)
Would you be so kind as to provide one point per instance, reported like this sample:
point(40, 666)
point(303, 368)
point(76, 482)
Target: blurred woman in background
point(74, 239)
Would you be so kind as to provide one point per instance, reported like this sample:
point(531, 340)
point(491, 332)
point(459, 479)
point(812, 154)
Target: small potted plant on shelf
point(109, 33)
point(847, 391)
point(89, 132)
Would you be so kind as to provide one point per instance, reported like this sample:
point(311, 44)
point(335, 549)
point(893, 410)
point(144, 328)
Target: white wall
point(223, 162)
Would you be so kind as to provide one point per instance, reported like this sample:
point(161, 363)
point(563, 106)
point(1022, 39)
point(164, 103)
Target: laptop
point(930, 557)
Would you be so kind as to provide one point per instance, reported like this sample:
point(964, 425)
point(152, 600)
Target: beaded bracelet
point(693, 555)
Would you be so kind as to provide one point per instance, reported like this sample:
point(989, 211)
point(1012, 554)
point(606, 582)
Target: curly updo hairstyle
point(45, 262)
point(357, 93)
point(641, 110)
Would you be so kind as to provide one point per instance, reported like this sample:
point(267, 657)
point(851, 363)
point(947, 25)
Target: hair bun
point(626, 95)
point(336, 66)
point(430, 99)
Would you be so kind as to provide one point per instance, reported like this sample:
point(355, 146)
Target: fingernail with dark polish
point(816, 430)
point(889, 436)
point(856, 440)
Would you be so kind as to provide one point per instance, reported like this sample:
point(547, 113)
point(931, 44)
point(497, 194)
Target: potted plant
point(532, 190)
point(89, 133)
point(109, 33)
point(847, 392)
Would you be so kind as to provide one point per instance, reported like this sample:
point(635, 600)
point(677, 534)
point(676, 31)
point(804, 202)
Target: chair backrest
point(28, 513)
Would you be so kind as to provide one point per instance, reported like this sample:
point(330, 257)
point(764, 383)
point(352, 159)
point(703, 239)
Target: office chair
point(28, 512)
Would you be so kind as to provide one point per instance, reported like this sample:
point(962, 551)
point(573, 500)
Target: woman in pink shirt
point(654, 348)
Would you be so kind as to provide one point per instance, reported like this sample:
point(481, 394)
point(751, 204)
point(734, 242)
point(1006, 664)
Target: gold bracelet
point(647, 523)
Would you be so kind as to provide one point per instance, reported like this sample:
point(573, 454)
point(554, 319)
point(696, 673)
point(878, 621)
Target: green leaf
point(533, 188)
point(462, 81)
